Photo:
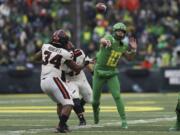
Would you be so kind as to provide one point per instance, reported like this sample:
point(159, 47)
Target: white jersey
point(53, 58)
point(79, 86)
point(77, 82)
point(79, 58)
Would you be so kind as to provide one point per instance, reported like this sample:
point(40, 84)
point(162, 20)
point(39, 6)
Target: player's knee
point(66, 110)
point(88, 98)
point(116, 97)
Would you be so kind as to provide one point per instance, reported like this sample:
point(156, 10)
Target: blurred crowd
point(155, 24)
point(26, 24)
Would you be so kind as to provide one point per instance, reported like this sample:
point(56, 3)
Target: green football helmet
point(119, 26)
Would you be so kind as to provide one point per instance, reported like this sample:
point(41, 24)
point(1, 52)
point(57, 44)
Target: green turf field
point(148, 114)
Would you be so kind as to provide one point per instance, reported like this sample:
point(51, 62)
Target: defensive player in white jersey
point(53, 57)
point(78, 83)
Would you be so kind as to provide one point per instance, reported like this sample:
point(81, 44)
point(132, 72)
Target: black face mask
point(69, 47)
point(118, 37)
point(64, 41)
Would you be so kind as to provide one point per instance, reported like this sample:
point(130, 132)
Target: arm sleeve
point(125, 41)
point(66, 55)
point(108, 37)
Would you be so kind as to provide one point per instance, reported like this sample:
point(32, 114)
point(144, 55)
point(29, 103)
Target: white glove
point(90, 60)
point(66, 55)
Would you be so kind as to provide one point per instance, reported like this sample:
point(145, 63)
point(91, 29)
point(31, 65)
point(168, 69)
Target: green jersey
point(107, 58)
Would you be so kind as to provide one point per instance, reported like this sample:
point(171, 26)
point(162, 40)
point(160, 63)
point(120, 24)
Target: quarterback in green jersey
point(177, 125)
point(112, 47)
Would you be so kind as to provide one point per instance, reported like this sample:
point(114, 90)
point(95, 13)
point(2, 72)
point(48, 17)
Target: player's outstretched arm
point(71, 64)
point(105, 43)
point(37, 57)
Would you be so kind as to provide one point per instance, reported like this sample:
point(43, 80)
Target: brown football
point(101, 7)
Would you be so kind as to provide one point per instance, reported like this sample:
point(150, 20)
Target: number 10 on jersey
point(113, 59)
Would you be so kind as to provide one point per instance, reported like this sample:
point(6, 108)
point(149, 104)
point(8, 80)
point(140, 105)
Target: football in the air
point(101, 7)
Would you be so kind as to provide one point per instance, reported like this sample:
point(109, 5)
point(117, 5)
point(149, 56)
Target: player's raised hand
point(133, 43)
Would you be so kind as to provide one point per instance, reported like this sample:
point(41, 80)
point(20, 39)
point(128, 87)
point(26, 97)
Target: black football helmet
point(60, 38)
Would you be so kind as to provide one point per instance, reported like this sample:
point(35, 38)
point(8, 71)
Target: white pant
point(57, 90)
point(79, 85)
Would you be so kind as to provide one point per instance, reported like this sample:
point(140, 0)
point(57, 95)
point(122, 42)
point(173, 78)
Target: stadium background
point(26, 24)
